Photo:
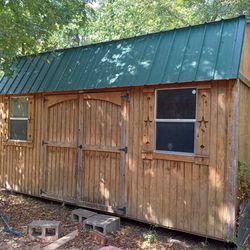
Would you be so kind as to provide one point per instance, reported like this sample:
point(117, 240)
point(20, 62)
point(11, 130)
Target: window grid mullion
point(175, 120)
point(19, 118)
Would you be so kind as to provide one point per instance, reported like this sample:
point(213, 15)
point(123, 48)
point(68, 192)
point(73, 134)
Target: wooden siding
point(244, 124)
point(100, 162)
point(20, 162)
point(184, 195)
point(60, 146)
point(245, 57)
point(189, 193)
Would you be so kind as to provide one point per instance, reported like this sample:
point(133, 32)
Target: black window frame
point(15, 118)
point(174, 120)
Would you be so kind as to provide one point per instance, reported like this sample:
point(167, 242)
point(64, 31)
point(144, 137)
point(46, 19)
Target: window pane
point(176, 104)
point(18, 130)
point(19, 107)
point(175, 136)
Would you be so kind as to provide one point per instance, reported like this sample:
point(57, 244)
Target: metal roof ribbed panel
point(210, 51)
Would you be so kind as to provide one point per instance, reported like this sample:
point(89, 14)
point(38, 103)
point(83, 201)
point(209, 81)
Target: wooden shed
point(149, 127)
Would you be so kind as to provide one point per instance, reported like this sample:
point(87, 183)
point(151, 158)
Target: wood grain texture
point(203, 122)
point(20, 162)
point(192, 194)
point(101, 139)
point(180, 192)
point(244, 127)
point(245, 61)
point(61, 154)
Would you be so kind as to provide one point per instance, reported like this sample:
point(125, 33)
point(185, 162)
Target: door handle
point(80, 146)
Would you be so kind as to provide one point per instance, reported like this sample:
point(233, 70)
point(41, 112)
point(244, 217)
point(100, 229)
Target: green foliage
point(243, 178)
point(115, 19)
point(149, 237)
point(28, 26)
point(232, 239)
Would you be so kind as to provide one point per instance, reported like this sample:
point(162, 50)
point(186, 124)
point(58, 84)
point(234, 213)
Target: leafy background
point(30, 26)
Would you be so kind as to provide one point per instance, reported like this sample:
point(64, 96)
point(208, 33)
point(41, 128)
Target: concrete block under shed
point(104, 224)
point(45, 230)
point(81, 214)
point(98, 237)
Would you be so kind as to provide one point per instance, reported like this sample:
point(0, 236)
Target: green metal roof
point(209, 51)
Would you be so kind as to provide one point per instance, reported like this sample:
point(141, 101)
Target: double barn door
point(84, 154)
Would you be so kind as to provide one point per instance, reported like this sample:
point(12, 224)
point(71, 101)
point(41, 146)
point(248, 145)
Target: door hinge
point(42, 192)
point(120, 210)
point(44, 142)
point(125, 150)
point(125, 96)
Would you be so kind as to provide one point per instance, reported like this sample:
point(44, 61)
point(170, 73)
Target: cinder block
point(81, 214)
point(104, 224)
point(45, 230)
point(98, 237)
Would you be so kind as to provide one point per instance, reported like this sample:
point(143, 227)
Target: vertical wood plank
point(221, 157)
point(195, 198)
point(203, 122)
point(213, 161)
point(188, 196)
point(130, 167)
point(146, 190)
point(173, 193)
point(233, 153)
point(180, 195)
point(166, 220)
point(5, 118)
point(148, 119)
point(31, 117)
point(203, 193)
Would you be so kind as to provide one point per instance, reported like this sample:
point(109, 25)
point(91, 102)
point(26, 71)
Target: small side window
point(175, 120)
point(18, 118)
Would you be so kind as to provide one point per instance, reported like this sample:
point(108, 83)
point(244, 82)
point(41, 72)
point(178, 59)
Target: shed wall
point(21, 162)
point(245, 57)
point(244, 125)
point(166, 190)
point(192, 194)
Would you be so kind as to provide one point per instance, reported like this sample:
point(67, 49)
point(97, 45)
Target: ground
point(21, 210)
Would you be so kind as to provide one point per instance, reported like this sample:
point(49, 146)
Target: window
point(18, 118)
point(175, 120)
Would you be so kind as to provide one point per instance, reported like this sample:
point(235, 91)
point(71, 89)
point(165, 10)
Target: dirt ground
point(20, 210)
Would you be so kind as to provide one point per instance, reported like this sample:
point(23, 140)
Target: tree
point(115, 19)
point(30, 26)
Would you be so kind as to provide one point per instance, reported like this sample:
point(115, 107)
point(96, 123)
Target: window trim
point(17, 141)
point(174, 120)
